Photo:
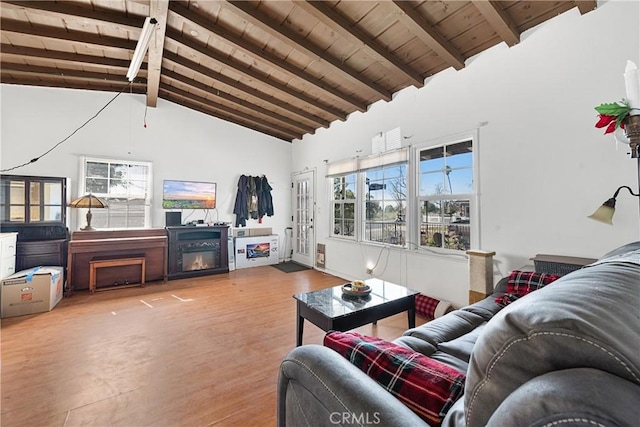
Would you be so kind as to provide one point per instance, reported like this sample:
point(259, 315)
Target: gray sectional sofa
point(565, 355)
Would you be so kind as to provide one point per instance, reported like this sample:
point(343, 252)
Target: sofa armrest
point(572, 397)
point(318, 387)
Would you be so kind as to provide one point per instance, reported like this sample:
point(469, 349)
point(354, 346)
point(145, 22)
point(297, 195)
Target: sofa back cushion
point(586, 319)
point(427, 387)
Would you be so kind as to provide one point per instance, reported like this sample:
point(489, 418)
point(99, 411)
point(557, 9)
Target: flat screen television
point(188, 195)
point(258, 250)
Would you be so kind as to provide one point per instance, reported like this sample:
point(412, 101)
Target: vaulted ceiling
point(281, 67)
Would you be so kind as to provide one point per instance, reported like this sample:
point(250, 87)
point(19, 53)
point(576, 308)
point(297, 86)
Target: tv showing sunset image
point(188, 195)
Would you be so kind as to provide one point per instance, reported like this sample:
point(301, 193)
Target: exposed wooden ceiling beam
point(429, 36)
point(246, 116)
point(323, 12)
point(252, 74)
point(70, 12)
point(249, 90)
point(211, 108)
point(585, 6)
point(105, 86)
point(101, 42)
point(239, 103)
point(67, 57)
point(247, 11)
point(252, 50)
point(49, 73)
point(158, 9)
point(499, 21)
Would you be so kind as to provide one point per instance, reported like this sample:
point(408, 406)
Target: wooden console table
point(84, 246)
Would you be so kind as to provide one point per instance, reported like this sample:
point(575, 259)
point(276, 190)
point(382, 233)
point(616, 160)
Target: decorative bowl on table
point(356, 288)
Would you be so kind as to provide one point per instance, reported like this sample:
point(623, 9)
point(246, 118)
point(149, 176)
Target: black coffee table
point(330, 309)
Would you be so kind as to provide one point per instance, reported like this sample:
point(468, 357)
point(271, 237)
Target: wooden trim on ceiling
point(104, 86)
point(237, 101)
point(54, 55)
point(241, 87)
point(158, 9)
point(249, 74)
point(429, 35)
point(55, 33)
point(498, 20)
point(585, 6)
point(68, 12)
point(252, 50)
point(340, 24)
point(248, 12)
point(246, 116)
point(204, 106)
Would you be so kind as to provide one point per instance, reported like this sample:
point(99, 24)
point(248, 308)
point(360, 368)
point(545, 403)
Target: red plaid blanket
point(520, 283)
point(426, 386)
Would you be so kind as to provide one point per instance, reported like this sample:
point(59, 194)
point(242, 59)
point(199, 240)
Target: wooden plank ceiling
point(283, 68)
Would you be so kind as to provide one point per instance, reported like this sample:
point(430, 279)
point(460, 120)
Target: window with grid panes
point(445, 193)
point(125, 186)
point(344, 205)
point(385, 204)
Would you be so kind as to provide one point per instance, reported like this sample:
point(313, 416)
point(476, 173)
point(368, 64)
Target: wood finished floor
point(191, 352)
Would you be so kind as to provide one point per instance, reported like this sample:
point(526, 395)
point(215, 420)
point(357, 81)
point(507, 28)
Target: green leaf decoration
point(618, 109)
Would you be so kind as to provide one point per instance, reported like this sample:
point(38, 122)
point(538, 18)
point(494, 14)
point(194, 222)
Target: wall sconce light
point(88, 201)
point(141, 48)
point(605, 212)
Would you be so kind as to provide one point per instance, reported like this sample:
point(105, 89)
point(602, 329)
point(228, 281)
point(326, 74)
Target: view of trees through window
point(344, 205)
point(445, 191)
point(440, 204)
point(386, 204)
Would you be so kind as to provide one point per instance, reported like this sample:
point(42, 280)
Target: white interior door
point(303, 205)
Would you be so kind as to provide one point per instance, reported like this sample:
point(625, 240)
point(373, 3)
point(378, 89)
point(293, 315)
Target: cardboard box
point(31, 291)
point(262, 231)
point(251, 232)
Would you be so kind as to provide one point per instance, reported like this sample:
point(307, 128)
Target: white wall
point(543, 165)
point(181, 143)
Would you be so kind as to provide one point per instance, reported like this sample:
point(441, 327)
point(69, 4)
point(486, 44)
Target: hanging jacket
point(265, 206)
point(241, 207)
point(252, 202)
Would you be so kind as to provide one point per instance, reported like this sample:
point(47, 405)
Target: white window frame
point(472, 197)
point(82, 189)
point(400, 236)
point(334, 201)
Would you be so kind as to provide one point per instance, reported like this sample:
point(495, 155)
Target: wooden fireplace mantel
point(84, 246)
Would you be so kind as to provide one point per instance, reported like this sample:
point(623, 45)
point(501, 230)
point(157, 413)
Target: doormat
point(290, 267)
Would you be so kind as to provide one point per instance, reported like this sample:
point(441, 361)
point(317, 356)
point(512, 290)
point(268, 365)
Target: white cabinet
point(7, 254)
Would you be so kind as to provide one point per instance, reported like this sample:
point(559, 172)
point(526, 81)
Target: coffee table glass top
point(332, 303)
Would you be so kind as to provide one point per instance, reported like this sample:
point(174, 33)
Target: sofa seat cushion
point(448, 327)
point(462, 347)
point(426, 386)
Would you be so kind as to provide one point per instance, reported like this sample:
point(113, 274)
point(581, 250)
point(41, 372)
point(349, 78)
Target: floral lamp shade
point(88, 201)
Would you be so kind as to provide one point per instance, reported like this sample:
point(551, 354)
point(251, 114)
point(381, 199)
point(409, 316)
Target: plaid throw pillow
point(426, 386)
point(520, 283)
point(426, 306)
